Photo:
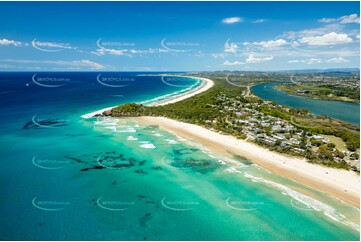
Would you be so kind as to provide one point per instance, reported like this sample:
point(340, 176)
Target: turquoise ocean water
point(64, 177)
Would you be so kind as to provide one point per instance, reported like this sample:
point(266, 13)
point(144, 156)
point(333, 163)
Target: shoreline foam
point(338, 183)
point(341, 184)
point(207, 84)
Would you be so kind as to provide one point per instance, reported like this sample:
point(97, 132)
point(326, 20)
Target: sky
point(178, 36)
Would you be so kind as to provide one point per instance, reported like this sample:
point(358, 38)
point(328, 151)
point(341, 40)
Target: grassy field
point(340, 144)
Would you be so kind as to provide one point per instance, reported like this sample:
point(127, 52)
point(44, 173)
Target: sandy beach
point(342, 184)
point(207, 84)
point(336, 182)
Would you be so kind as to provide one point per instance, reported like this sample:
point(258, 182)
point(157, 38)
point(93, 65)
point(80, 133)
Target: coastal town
point(278, 134)
point(338, 87)
point(232, 109)
point(191, 120)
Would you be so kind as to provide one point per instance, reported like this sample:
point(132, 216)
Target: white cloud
point(258, 21)
point(54, 45)
point(295, 44)
point(5, 66)
point(327, 20)
point(347, 19)
point(270, 43)
point(227, 63)
point(252, 59)
point(128, 52)
point(340, 52)
point(337, 60)
point(103, 51)
point(327, 39)
point(232, 20)
point(230, 47)
point(51, 46)
point(307, 61)
point(352, 18)
point(88, 63)
point(10, 42)
point(216, 56)
point(328, 28)
point(199, 54)
point(312, 61)
point(80, 63)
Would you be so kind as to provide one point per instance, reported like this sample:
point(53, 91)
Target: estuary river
point(346, 111)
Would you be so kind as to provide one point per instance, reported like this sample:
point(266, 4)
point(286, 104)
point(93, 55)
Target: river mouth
point(345, 111)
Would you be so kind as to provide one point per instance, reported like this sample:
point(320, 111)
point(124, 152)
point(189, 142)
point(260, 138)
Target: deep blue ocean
point(65, 177)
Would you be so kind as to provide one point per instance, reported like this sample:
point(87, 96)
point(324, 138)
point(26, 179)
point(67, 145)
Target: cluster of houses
point(348, 82)
point(274, 132)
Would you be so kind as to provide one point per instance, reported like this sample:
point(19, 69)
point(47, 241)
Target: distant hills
point(352, 71)
point(329, 71)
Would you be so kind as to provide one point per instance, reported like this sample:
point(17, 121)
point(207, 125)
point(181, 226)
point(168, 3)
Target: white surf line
point(206, 84)
point(164, 99)
point(90, 115)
